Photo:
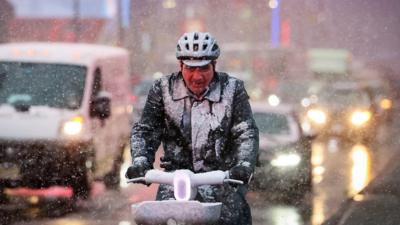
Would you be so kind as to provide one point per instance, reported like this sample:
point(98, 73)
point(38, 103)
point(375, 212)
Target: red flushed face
point(197, 79)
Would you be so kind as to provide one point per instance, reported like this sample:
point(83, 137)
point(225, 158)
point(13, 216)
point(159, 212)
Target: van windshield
point(41, 84)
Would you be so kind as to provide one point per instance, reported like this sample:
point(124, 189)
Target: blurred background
point(150, 29)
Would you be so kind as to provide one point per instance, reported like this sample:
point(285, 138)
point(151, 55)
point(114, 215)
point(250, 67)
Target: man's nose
point(197, 73)
point(197, 70)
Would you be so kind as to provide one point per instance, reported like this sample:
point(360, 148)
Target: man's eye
point(204, 68)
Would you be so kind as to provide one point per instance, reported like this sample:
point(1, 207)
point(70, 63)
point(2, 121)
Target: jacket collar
point(180, 91)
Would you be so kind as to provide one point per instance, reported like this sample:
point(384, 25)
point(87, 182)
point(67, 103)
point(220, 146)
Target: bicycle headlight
point(73, 126)
point(182, 186)
point(359, 118)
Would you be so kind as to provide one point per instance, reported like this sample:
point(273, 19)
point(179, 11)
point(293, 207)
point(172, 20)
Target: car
point(284, 159)
point(291, 91)
point(382, 96)
point(377, 203)
point(342, 109)
point(64, 115)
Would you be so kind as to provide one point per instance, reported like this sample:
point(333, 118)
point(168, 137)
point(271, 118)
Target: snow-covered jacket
point(215, 133)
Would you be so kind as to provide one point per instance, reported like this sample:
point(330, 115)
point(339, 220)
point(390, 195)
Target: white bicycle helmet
point(197, 49)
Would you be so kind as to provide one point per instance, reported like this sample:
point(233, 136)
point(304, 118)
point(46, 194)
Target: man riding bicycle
point(204, 121)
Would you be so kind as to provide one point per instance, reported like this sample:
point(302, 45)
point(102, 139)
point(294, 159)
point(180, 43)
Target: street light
point(273, 4)
point(169, 4)
point(275, 22)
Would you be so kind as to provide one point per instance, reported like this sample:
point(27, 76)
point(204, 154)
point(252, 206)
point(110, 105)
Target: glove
point(166, 163)
point(135, 171)
point(243, 173)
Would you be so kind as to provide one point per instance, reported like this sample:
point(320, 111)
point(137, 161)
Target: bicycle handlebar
point(162, 177)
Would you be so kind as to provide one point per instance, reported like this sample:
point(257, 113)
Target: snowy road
point(336, 175)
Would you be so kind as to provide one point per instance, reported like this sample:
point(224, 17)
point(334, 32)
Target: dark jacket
point(215, 133)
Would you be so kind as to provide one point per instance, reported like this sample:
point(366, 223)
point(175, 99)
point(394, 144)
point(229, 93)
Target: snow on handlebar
point(185, 184)
point(196, 179)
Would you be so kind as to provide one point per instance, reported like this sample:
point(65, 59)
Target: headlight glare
point(385, 103)
point(73, 126)
point(286, 160)
point(274, 100)
point(359, 118)
point(317, 116)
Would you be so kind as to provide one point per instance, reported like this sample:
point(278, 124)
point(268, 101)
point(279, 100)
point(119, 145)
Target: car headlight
point(317, 116)
point(274, 100)
point(359, 118)
point(385, 103)
point(305, 102)
point(286, 160)
point(73, 126)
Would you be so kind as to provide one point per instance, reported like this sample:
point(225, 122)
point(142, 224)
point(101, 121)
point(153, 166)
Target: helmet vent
point(215, 47)
point(198, 46)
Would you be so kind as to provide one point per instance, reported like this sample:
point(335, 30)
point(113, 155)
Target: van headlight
point(286, 160)
point(359, 118)
point(317, 116)
point(73, 126)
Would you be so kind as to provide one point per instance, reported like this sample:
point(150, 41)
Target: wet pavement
point(340, 169)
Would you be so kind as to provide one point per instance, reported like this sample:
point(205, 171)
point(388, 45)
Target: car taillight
point(133, 98)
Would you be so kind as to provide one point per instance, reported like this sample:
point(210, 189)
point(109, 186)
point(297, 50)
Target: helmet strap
point(214, 63)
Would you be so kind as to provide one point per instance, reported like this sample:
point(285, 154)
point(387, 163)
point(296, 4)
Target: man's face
point(197, 79)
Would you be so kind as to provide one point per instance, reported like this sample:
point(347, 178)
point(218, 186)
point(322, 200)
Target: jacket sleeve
point(146, 134)
point(244, 130)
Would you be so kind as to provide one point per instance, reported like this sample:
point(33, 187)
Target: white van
point(64, 114)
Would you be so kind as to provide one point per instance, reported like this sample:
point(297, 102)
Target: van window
point(41, 84)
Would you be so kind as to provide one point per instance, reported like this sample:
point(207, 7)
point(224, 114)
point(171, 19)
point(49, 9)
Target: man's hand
point(242, 173)
point(135, 171)
point(165, 163)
